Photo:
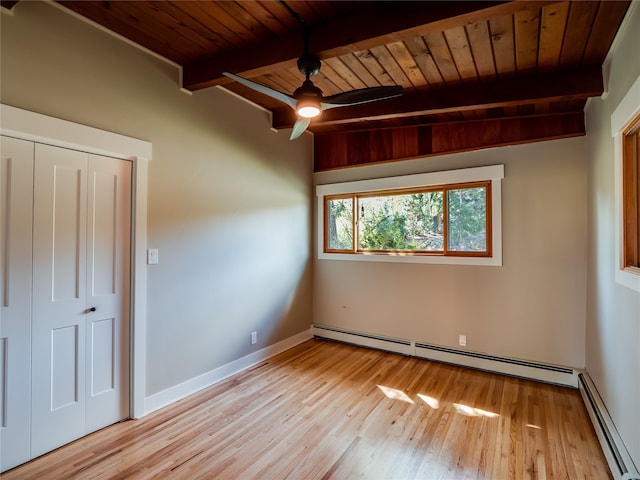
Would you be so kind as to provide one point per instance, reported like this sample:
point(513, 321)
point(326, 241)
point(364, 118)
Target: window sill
point(632, 270)
point(495, 261)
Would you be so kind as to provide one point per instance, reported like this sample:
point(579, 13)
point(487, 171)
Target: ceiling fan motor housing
point(309, 64)
point(307, 90)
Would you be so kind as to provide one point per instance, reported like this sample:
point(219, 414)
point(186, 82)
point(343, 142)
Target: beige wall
point(613, 310)
point(228, 199)
point(531, 308)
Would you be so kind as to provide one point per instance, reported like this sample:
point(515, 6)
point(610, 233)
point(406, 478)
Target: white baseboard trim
point(178, 392)
point(616, 453)
point(507, 366)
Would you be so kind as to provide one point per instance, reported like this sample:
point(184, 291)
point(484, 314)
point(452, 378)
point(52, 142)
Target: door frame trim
point(39, 128)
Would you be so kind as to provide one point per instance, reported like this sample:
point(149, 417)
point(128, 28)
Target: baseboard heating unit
point(506, 366)
point(616, 453)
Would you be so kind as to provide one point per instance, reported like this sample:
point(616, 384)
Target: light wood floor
point(325, 410)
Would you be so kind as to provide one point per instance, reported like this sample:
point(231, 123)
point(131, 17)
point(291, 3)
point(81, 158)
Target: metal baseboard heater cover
point(506, 366)
point(618, 458)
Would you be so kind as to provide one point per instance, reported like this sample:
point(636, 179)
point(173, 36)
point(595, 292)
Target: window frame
point(325, 241)
point(621, 119)
point(631, 197)
point(355, 225)
point(489, 176)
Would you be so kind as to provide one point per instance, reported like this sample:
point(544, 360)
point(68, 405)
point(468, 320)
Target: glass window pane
point(467, 215)
point(340, 224)
point(401, 222)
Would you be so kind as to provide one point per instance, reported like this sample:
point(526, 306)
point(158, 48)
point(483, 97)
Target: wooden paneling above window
point(347, 149)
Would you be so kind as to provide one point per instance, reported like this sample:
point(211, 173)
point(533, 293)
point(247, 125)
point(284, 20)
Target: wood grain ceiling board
point(439, 48)
point(503, 45)
point(578, 29)
point(603, 31)
point(552, 31)
point(480, 44)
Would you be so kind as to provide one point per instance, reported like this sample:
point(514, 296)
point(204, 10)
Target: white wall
point(613, 310)
point(531, 308)
point(228, 203)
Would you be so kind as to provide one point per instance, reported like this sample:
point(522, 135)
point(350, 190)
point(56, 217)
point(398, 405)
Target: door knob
point(92, 309)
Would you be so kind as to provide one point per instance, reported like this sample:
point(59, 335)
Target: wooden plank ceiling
point(475, 74)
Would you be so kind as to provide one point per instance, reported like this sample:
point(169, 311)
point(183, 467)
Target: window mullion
point(356, 222)
point(445, 221)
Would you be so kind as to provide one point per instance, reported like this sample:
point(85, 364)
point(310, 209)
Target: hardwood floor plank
point(330, 411)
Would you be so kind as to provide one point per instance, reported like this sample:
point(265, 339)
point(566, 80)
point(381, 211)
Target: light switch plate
point(152, 256)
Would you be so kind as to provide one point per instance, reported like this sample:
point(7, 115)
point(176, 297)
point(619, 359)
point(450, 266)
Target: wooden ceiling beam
point(370, 26)
point(578, 84)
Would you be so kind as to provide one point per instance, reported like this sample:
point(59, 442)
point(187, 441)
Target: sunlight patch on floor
point(395, 394)
point(432, 402)
point(473, 412)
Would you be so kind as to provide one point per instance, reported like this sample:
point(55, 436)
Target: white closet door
point(59, 297)
point(108, 257)
point(16, 200)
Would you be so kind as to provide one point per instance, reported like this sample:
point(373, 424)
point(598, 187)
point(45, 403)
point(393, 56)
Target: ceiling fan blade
point(258, 87)
point(299, 127)
point(362, 95)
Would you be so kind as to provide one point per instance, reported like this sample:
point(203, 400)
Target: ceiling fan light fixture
point(308, 108)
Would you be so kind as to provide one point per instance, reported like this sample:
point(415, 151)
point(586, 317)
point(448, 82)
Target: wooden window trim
point(445, 188)
point(631, 197)
point(327, 199)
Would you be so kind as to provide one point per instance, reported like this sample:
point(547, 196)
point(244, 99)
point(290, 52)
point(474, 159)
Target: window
point(440, 217)
point(631, 196)
point(435, 220)
point(625, 126)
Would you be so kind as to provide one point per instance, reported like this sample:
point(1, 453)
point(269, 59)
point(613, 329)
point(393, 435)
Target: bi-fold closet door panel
point(108, 286)
point(59, 297)
point(16, 205)
point(80, 295)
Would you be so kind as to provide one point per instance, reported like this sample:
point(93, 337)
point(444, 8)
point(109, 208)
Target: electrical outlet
point(254, 338)
point(462, 340)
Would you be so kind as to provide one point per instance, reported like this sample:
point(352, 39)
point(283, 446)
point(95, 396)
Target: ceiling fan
point(308, 100)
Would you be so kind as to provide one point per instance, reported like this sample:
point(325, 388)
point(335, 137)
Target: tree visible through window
point(442, 220)
point(401, 222)
point(467, 213)
point(339, 224)
point(631, 196)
